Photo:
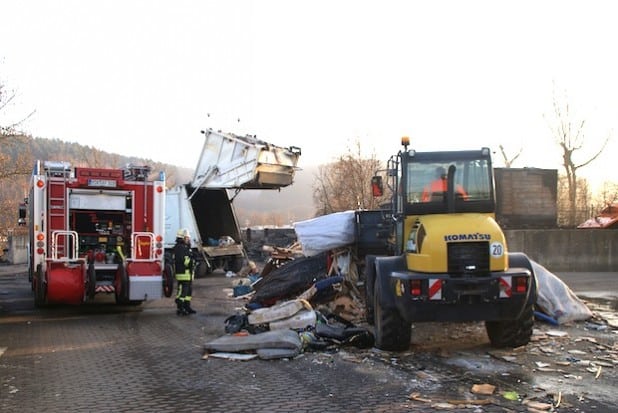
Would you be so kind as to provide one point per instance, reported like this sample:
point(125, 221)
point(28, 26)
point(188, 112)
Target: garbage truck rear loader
point(228, 163)
point(211, 220)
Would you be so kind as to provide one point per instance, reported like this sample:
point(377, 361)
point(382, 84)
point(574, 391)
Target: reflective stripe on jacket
point(183, 261)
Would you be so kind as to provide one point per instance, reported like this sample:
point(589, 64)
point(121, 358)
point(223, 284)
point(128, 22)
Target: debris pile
point(310, 288)
point(315, 299)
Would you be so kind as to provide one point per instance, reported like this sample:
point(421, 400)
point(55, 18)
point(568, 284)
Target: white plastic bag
point(326, 232)
point(556, 299)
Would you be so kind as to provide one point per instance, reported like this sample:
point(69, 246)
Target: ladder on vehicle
point(57, 212)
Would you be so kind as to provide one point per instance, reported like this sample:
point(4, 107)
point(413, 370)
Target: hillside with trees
point(18, 154)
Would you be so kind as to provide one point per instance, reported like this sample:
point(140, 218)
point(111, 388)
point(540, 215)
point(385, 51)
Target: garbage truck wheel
point(392, 332)
point(202, 269)
point(235, 263)
point(511, 333)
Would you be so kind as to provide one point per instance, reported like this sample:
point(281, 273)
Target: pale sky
point(140, 77)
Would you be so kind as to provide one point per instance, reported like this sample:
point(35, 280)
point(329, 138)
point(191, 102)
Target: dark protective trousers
point(184, 291)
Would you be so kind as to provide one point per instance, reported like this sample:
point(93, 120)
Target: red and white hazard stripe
point(506, 284)
point(435, 289)
point(104, 289)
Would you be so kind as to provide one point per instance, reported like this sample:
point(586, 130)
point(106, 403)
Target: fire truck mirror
point(22, 214)
point(377, 188)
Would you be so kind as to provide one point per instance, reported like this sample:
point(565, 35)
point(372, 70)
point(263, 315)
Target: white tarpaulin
point(323, 233)
point(556, 299)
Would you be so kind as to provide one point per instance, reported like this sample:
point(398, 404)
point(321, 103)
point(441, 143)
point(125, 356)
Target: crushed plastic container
point(276, 312)
point(299, 321)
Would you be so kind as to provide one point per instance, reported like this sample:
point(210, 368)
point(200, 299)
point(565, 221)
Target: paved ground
point(110, 358)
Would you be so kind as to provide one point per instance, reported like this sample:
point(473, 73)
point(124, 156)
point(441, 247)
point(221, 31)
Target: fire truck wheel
point(30, 276)
point(392, 333)
point(91, 281)
point(40, 293)
point(511, 333)
point(168, 279)
point(122, 286)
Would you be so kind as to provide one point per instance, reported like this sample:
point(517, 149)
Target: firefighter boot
point(187, 307)
point(181, 308)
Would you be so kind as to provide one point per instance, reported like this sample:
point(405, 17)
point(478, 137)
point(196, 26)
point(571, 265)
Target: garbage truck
point(436, 253)
point(227, 164)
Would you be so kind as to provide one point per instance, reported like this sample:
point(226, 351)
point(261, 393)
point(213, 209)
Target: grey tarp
point(282, 343)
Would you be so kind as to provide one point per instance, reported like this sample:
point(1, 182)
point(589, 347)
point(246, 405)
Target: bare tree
point(607, 196)
point(13, 162)
point(509, 162)
point(345, 184)
point(568, 216)
point(569, 135)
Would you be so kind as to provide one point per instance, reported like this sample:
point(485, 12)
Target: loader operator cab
point(446, 182)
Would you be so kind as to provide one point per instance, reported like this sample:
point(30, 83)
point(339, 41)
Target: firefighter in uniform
point(183, 268)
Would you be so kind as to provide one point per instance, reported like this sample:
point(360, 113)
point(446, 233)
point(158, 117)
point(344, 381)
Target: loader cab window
point(427, 184)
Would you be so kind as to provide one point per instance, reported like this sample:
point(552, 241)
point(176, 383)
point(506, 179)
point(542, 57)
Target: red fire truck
point(94, 231)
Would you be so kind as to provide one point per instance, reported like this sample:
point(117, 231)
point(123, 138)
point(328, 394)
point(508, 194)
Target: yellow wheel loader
point(444, 257)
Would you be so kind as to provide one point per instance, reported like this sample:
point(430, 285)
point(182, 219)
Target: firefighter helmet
point(183, 233)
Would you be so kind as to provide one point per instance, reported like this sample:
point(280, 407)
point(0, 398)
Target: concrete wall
point(555, 249)
point(17, 251)
point(568, 249)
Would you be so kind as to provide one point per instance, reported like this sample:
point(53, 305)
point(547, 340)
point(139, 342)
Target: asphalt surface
point(109, 358)
point(592, 284)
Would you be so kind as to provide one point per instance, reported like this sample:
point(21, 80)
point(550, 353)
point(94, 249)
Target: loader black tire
point(511, 333)
point(392, 333)
point(369, 309)
point(369, 288)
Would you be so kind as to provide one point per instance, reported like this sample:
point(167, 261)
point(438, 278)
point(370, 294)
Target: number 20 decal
point(496, 250)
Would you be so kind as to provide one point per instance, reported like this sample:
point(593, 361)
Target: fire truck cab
point(95, 230)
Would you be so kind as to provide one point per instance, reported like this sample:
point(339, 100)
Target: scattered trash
point(544, 317)
point(277, 312)
point(231, 356)
point(300, 321)
point(596, 326)
point(283, 339)
point(556, 333)
point(537, 405)
point(510, 395)
point(485, 389)
point(417, 397)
